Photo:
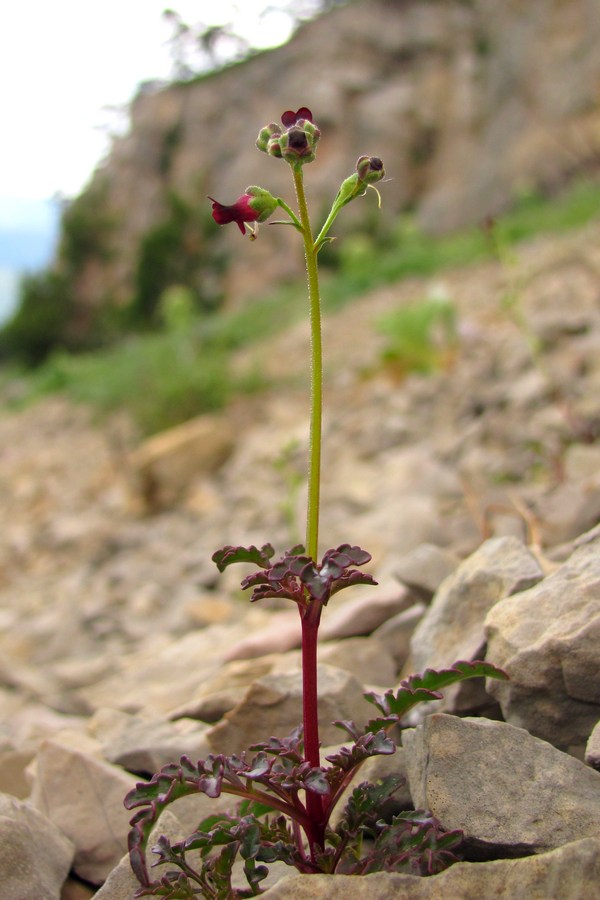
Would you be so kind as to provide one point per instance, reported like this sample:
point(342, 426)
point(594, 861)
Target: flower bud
point(265, 134)
point(370, 169)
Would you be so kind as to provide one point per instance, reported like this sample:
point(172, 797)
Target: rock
point(396, 633)
point(282, 632)
point(144, 745)
point(76, 890)
point(165, 465)
point(452, 627)
point(367, 658)
point(13, 765)
point(35, 856)
point(570, 872)
point(548, 640)
point(218, 694)
point(83, 796)
point(592, 750)
point(362, 615)
point(425, 568)
point(165, 672)
point(121, 883)
point(272, 706)
point(510, 793)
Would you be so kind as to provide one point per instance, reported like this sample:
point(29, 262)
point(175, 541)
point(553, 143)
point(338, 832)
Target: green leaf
point(425, 688)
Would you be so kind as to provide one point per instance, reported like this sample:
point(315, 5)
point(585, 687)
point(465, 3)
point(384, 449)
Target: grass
point(165, 377)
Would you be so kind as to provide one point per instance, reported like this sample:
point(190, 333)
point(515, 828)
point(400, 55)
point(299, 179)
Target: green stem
point(316, 373)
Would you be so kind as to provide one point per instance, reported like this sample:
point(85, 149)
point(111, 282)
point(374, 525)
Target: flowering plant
point(286, 795)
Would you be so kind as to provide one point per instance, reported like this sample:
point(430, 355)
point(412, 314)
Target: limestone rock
point(548, 640)
point(121, 883)
point(452, 627)
point(83, 796)
point(362, 614)
point(425, 568)
point(35, 855)
point(592, 750)
point(396, 633)
point(509, 792)
point(165, 465)
point(272, 706)
point(570, 872)
point(143, 745)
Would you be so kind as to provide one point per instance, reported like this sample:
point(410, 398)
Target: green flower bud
point(370, 169)
point(265, 134)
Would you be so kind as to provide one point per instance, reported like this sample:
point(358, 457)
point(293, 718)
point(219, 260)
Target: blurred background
point(121, 118)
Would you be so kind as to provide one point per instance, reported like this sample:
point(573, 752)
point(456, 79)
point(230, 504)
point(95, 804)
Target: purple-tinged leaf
point(350, 578)
point(365, 746)
point(425, 688)
point(229, 555)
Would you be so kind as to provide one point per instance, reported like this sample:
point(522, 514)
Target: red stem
point(314, 802)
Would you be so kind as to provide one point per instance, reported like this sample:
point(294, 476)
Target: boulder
point(165, 465)
point(548, 640)
point(510, 793)
point(143, 745)
point(452, 627)
point(272, 706)
point(571, 872)
point(592, 750)
point(83, 796)
point(35, 855)
point(424, 569)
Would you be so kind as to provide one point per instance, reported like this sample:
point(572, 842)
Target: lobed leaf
point(394, 704)
point(229, 555)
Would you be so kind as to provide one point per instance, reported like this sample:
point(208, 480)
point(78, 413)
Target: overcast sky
point(64, 63)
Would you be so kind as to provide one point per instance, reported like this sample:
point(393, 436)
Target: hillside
point(468, 104)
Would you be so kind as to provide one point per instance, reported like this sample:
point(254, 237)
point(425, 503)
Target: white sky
point(64, 62)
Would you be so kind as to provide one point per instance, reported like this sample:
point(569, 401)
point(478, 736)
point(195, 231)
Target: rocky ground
point(476, 489)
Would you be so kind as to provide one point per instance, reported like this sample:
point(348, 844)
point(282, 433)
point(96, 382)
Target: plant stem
point(316, 373)
point(312, 614)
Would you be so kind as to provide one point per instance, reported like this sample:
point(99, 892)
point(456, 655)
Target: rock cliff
point(468, 102)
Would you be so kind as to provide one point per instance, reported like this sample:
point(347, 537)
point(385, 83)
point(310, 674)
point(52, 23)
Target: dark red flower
point(290, 118)
point(255, 205)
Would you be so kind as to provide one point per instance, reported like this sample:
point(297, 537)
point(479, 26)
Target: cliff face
point(466, 101)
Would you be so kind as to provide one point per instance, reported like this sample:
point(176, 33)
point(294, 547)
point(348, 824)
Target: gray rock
point(506, 790)
point(396, 633)
point(425, 568)
point(83, 796)
point(452, 627)
point(35, 856)
point(548, 640)
point(272, 706)
point(164, 465)
point(144, 745)
point(592, 750)
point(571, 872)
point(121, 883)
point(362, 615)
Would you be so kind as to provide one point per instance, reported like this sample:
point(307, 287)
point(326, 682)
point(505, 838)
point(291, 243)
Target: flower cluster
point(296, 142)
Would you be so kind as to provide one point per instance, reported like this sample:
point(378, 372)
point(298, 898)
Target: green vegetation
point(179, 250)
point(421, 336)
point(184, 369)
point(366, 261)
